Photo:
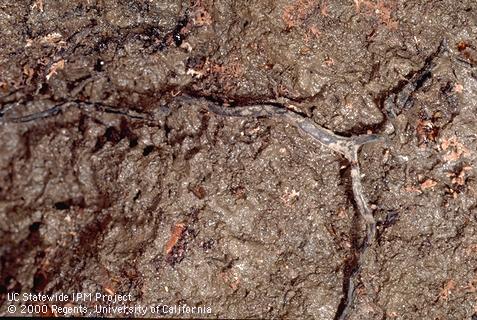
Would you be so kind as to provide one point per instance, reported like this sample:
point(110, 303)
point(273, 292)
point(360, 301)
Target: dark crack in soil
point(119, 172)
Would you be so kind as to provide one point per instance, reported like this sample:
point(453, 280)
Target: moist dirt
point(115, 177)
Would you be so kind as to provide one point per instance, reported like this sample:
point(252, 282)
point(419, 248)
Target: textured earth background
point(131, 185)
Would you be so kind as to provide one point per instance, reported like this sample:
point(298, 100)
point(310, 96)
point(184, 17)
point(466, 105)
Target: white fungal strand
point(348, 147)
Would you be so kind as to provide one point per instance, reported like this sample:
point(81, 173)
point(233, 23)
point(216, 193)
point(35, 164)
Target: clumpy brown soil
point(116, 177)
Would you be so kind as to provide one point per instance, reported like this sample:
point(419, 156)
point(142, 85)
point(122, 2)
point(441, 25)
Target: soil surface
point(116, 177)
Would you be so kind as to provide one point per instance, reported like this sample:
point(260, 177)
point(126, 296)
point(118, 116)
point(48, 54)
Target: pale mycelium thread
point(346, 146)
